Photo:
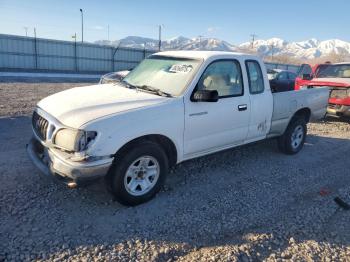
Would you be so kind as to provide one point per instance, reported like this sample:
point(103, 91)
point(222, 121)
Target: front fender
point(115, 131)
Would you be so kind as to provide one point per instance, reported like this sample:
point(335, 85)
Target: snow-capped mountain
point(304, 50)
point(175, 43)
point(212, 44)
point(308, 49)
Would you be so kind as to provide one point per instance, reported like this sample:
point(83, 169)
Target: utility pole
point(272, 46)
point(35, 49)
point(82, 25)
point(75, 52)
point(200, 39)
point(108, 31)
point(26, 29)
point(160, 37)
point(253, 36)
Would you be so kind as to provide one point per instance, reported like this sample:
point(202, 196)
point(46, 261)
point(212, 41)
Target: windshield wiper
point(154, 90)
point(127, 84)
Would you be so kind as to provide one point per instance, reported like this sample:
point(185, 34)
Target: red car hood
point(336, 82)
point(333, 82)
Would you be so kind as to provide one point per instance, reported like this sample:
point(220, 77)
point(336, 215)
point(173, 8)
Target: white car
point(172, 107)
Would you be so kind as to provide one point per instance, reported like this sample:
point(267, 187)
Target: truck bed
point(286, 104)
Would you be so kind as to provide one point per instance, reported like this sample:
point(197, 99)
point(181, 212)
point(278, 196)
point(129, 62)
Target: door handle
point(242, 107)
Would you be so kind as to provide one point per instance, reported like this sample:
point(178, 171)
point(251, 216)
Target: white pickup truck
point(172, 107)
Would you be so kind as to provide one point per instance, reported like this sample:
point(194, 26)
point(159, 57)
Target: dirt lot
point(247, 204)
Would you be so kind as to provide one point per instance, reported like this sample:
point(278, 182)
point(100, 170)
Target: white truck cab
point(172, 107)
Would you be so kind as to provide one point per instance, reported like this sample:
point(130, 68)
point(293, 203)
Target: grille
point(339, 93)
point(40, 126)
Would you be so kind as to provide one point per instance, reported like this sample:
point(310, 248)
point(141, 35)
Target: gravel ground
point(247, 204)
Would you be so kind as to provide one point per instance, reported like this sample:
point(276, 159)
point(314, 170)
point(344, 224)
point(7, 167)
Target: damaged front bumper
point(51, 163)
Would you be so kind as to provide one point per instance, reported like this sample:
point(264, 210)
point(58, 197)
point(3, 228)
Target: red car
point(335, 76)
point(304, 75)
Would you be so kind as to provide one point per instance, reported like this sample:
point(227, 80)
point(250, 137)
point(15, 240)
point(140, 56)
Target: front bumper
point(52, 164)
point(338, 110)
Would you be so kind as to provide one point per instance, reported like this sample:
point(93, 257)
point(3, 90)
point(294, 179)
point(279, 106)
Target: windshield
point(333, 71)
point(272, 75)
point(167, 74)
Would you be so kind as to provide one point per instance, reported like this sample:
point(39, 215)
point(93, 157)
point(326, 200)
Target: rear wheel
point(293, 139)
point(139, 174)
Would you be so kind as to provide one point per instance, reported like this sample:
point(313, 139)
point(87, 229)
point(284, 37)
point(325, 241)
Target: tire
point(293, 139)
point(138, 175)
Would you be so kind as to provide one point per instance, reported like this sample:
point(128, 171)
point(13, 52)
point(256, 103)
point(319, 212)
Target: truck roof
point(203, 54)
point(342, 63)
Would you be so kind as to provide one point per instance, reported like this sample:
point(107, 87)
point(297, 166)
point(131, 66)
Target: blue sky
point(232, 21)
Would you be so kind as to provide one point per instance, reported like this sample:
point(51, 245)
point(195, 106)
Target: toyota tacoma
point(174, 106)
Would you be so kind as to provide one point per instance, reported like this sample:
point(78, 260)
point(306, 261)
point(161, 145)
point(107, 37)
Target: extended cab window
point(224, 76)
point(255, 77)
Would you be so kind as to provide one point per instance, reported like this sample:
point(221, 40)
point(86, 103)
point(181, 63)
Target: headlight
point(74, 140)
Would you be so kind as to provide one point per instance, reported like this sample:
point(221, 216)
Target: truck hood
point(77, 106)
point(336, 82)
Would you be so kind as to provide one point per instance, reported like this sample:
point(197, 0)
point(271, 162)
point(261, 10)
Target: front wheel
point(139, 174)
point(293, 139)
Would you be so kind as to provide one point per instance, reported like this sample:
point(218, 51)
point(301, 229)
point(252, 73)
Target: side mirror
point(205, 96)
point(306, 77)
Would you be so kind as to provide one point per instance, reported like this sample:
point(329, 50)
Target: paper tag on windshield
point(180, 69)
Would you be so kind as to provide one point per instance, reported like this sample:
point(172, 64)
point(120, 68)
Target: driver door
point(210, 126)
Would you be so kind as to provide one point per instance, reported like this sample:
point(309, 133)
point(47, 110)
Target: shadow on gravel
point(251, 197)
point(332, 119)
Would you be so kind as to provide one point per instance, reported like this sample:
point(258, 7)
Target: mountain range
point(308, 49)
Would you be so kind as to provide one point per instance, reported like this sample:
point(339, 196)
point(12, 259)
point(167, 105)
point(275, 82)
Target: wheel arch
point(303, 113)
point(164, 142)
